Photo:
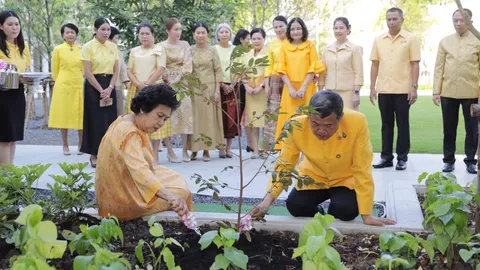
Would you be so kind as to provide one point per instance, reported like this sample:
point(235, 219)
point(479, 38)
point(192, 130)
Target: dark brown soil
point(266, 251)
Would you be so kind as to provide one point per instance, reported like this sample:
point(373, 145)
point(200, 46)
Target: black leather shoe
point(472, 168)
point(447, 167)
point(401, 165)
point(383, 164)
point(249, 149)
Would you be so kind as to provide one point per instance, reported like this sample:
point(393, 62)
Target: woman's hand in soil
point(259, 211)
point(179, 205)
point(377, 221)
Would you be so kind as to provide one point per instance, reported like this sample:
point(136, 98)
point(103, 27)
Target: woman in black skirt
point(100, 60)
point(13, 50)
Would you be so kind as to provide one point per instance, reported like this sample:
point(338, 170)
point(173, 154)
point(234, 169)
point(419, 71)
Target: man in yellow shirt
point(337, 157)
point(395, 57)
point(456, 82)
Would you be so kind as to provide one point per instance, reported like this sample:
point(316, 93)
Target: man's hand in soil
point(376, 221)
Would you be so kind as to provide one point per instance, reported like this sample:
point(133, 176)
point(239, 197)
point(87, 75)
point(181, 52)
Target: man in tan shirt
point(395, 57)
point(456, 82)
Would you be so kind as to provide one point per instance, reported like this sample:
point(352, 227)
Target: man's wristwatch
point(111, 86)
point(356, 92)
point(414, 85)
point(263, 86)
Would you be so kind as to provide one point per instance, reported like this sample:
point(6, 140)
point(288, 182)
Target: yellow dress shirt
point(144, 62)
point(395, 55)
point(457, 69)
point(345, 159)
point(21, 61)
point(297, 61)
point(344, 67)
point(102, 56)
point(224, 54)
point(274, 56)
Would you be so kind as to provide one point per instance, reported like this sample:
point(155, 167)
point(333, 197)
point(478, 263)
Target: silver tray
point(36, 75)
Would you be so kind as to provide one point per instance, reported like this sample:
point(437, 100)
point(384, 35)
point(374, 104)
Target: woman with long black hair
point(14, 51)
point(100, 62)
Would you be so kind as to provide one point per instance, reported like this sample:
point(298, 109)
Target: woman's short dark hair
point(145, 25)
point(113, 32)
point(69, 25)
point(153, 95)
point(241, 34)
point(280, 18)
point(258, 30)
point(302, 24)
point(345, 22)
point(200, 24)
point(327, 102)
point(20, 42)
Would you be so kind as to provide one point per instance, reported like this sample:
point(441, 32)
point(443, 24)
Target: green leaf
point(82, 262)
point(236, 257)
point(207, 239)
point(221, 262)
point(50, 249)
point(297, 252)
point(158, 242)
point(441, 242)
point(442, 209)
point(333, 256)
point(466, 254)
point(68, 235)
point(428, 248)
point(32, 213)
point(152, 220)
point(314, 243)
point(384, 238)
point(139, 252)
point(156, 231)
point(168, 258)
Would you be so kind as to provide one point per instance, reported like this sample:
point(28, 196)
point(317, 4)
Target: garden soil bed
point(268, 250)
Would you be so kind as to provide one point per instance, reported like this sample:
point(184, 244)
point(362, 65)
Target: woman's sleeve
point(316, 66)
point(55, 63)
point(217, 66)
point(187, 61)
point(281, 67)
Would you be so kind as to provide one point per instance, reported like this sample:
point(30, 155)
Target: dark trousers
point(395, 107)
point(304, 203)
point(450, 108)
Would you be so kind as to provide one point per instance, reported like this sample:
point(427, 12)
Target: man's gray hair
point(218, 29)
point(326, 102)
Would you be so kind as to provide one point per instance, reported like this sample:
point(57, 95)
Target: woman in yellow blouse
point(66, 109)
point(127, 184)
point(298, 65)
point(146, 65)
point(344, 64)
point(256, 98)
point(179, 64)
point(275, 86)
point(13, 50)
point(100, 62)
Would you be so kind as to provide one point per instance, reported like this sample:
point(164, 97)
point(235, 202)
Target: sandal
point(193, 156)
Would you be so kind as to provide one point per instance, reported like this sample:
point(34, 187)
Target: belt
point(103, 75)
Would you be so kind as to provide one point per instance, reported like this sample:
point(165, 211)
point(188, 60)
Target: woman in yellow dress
point(66, 109)
point(207, 117)
point(275, 84)
point(146, 65)
point(298, 65)
point(127, 184)
point(256, 98)
point(179, 64)
point(13, 50)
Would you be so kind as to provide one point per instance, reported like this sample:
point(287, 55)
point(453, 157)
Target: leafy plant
point(36, 239)
point(446, 213)
point(71, 190)
point(231, 256)
point(8, 210)
point(471, 255)
point(313, 244)
point(400, 249)
point(100, 235)
point(103, 259)
point(156, 230)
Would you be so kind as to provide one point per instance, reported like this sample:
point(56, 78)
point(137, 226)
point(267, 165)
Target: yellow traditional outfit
point(144, 63)
point(179, 63)
point(296, 62)
point(66, 109)
point(256, 104)
point(126, 182)
point(343, 160)
point(12, 102)
point(207, 117)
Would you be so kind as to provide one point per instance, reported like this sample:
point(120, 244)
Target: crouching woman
point(127, 184)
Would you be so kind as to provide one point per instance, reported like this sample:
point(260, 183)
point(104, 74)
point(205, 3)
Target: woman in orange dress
point(127, 185)
point(298, 65)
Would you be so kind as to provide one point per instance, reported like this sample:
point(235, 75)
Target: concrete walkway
point(418, 163)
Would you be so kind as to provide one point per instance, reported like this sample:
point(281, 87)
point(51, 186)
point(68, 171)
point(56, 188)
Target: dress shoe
point(472, 168)
point(447, 167)
point(249, 149)
point(401, 165)
point(383, 164)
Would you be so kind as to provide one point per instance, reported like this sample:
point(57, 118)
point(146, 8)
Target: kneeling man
point(337, 156)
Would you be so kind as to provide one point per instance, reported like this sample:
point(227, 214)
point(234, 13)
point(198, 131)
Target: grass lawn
point(426, 131)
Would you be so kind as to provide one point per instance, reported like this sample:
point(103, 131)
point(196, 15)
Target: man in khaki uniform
point(457, 77)
point(394, 76)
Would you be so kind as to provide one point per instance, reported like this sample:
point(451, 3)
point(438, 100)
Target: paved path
point(418, 163)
